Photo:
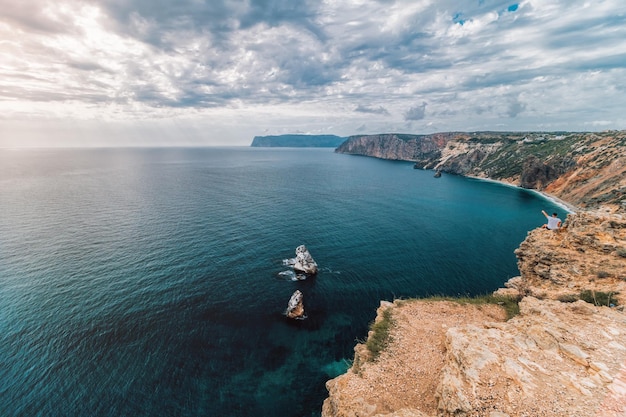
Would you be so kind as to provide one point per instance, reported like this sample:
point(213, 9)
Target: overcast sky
point(218, 72)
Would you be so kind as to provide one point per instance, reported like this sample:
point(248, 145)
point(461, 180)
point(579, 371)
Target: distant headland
point(586, 169)
point(298, 141)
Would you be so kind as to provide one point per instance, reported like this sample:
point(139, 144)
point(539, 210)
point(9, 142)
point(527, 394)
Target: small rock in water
point(304, 261)
point(295, 307)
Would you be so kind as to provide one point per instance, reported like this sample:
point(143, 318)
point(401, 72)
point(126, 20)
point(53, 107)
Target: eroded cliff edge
point(585, 169)
point(560, 356)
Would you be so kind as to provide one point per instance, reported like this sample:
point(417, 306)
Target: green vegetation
point(381, 335)
point(568, 298)
point(493, 138)
point(602, 274)
point(621, 252)
point(598, 298)
point(510, 304)
point(507, 161)
point(406, 137)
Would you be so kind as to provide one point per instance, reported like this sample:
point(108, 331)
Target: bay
point(146, 282)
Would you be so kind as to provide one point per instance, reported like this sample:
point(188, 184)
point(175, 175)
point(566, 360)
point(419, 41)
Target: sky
point(219, 72)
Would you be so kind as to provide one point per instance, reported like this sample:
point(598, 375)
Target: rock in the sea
point(295, 307)
point(304, 261)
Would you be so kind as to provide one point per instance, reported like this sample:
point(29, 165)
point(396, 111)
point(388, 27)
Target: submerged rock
point(295, 307)
point(304, 262)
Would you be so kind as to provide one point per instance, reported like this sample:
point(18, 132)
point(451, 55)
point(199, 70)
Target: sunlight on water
point(151, 282)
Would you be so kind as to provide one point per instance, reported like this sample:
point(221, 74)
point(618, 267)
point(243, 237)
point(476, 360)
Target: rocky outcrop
point(304, 261)
point(587, 254)
point(554, 359)
point(560, 356)
point(585, 169)
point(295, 306)
point(424, 150)
point(537, 174)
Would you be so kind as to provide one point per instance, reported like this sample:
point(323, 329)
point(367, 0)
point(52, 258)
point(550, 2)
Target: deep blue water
point(145, 282)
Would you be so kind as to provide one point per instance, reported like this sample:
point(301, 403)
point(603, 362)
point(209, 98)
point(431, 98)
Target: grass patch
point(599, 298)
point(381, 334)
point(510, 304)
point(568, 298)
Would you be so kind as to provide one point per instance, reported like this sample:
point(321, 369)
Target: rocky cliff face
point(561, 356)
point(585, 169)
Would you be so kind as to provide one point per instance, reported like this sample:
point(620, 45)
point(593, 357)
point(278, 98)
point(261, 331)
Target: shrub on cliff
point(509, 304)
point(599, 298)
point(381, 334)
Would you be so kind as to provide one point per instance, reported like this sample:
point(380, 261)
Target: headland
point(585, 169)
point(563, 353)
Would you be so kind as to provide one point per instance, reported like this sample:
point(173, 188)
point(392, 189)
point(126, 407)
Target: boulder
point(304, 261)
point(295, 307)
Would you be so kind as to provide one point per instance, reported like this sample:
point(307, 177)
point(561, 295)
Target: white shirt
point(553, 222)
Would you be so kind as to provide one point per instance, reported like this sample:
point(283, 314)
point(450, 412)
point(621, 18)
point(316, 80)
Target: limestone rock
point(295, 307)
point(304, 261)
point(583, 255)
point(554, 358)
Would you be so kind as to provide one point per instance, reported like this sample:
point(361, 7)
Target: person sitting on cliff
point(553, 221)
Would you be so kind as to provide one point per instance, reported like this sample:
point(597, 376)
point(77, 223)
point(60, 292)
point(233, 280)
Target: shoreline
point(568, 207)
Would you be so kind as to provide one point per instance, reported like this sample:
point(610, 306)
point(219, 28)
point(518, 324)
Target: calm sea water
point(146, 282)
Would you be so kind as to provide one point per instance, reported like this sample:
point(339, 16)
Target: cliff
point(585, 169)
point(298, 141)
point(560, 356)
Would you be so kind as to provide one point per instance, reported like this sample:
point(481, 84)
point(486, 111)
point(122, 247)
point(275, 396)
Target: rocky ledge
point(560, 356)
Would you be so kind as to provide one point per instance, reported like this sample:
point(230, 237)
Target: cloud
point(35, 16)
point(515, 107)
point(416, 113)
point(276, 61)
point(372, 110)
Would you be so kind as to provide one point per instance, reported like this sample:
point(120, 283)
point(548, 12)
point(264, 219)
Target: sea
point(152, 281)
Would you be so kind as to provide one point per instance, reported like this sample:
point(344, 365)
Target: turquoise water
point(146, 282)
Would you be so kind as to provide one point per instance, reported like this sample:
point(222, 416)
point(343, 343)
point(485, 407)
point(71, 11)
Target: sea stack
point(304, 261)
point(295, 307)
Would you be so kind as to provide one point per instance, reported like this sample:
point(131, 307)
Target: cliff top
point(561, 356)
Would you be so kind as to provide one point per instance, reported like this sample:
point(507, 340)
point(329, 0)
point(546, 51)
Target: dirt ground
point(408, 371)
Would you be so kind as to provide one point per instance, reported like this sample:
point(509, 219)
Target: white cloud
point(240, 68)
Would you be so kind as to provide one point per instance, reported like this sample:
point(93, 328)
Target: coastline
point(455, 362)
point(570, 208)
point(567, 206)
